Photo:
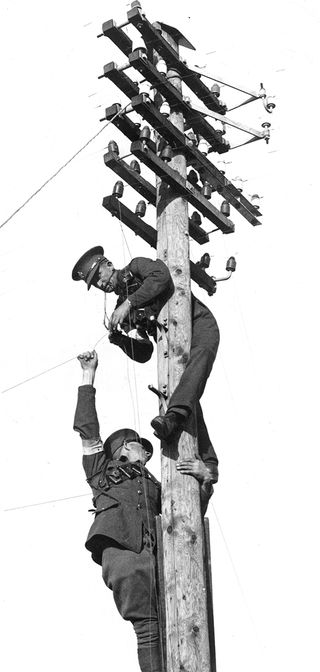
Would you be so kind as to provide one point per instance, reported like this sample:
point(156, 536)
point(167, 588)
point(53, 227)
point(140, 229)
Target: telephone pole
point(185, 578)
point(187, 639)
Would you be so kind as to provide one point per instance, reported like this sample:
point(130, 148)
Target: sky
point(261, 399)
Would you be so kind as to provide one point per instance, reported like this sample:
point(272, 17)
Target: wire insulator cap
point(196, 218)
point(167, 153)
point(145, 134)
point(193, 177)
point(206, 190)
point(231, 265)
point(141, 208)
point(225, 208)
point(113, 147)
point(215, 89)
point(204, 261)
point(118, 189)
point(135, 165)
point(165, 109)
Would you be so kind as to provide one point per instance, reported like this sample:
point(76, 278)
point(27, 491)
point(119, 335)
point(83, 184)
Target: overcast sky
point(261, 400)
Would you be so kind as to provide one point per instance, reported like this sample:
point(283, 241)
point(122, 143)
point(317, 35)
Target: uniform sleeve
point(156, 279)
point(93, 464)
point(206, 491)
point(86, 420)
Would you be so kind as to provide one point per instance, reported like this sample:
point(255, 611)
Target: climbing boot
point(167, 425)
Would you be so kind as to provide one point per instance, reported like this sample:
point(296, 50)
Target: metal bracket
point(161, 395)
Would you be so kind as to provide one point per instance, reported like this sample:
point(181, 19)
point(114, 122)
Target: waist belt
point(116, 476)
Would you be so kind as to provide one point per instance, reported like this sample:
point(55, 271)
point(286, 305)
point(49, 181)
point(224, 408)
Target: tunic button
point(139, 506)
point(139, 481)
point(139, 492)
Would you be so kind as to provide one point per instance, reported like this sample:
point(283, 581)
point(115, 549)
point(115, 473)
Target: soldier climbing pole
point(182, 139)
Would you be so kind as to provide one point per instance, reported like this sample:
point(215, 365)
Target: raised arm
point(86, 419)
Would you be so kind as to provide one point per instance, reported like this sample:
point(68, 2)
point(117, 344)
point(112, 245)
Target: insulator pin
point(196, 218)
point(207, 190)
point(141, 208)
point(118, 189)
point(162, 66)
point(231, 265)
point(225, 208)
point(255, 200)
point(204, 261)
point(145, 87)
point(193, 177)
point(192, 139)
point(203, 146)
point(215, 89)
point(167, 153)
point(165, 109)
point(135, 165)
point(113, 147)
point(145, 134)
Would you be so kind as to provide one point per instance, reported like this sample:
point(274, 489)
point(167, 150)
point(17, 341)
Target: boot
point(167, 425)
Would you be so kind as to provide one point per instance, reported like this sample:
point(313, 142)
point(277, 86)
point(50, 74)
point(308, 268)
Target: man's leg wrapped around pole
point(204, 345)
point(131, 577)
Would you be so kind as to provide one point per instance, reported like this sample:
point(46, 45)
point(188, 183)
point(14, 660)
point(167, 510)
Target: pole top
point(176, 34)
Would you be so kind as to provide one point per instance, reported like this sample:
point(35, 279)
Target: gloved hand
point(138, 350)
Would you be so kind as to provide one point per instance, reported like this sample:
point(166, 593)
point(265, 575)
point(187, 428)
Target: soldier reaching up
point(126, 499)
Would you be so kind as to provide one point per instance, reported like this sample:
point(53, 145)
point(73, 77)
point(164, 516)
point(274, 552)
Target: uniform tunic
point(122, 535)
point(123, 511)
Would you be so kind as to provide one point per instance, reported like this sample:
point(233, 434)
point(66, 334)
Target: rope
point(42, 373)
point(237, 578)
point(49, 501)
point(61, 168)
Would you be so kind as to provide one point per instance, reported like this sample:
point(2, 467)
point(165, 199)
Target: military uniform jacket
point(148, 285)
point(124, 510)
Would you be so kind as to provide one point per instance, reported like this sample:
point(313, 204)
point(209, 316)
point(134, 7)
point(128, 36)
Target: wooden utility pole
point(187, 640)
point(184, 574)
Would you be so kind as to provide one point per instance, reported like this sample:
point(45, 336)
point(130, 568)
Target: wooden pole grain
point(187, 641)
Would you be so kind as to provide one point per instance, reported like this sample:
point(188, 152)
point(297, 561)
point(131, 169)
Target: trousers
point(131, 577)
point(204, 345)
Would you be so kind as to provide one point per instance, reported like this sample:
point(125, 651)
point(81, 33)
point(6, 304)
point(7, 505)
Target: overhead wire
point(239, 583)
point(48, 501)
point(64, 165)
point(56, 366)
